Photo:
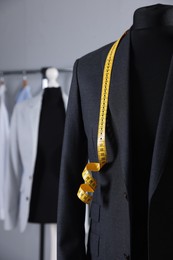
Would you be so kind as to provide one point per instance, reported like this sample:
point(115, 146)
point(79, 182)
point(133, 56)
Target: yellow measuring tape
point(87, 189)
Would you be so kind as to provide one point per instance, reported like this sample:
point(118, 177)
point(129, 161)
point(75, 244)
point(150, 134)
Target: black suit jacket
point(109, 236)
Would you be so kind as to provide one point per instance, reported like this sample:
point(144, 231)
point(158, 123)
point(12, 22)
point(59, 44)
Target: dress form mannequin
point(151, 54)
point(44, 197)
point(52, 75)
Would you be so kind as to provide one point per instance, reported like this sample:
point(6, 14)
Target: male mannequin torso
point(151, 53)
point(132, 207)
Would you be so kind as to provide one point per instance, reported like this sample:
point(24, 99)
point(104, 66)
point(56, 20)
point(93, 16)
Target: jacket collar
point(163, 137)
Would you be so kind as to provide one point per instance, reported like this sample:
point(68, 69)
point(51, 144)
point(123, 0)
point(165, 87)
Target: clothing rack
point(35, 71)
point(26, 72)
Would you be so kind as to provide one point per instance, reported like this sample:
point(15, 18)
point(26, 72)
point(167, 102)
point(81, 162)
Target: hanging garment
point(43, 205)
point(24, 94)
point(110, 234)
point(4, 146)
point(23, 151)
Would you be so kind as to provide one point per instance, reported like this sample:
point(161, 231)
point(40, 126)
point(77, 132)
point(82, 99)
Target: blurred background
point(40, 33)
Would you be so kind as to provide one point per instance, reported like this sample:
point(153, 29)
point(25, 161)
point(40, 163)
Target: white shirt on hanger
point(4, 146)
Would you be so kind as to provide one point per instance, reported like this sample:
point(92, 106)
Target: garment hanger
point(2, 84)
point(2, 81)
point(25, 80)
point(52, 75)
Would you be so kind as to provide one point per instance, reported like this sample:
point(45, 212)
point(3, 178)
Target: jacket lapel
point(120, 113)
point(119, 103)
point(163, 137)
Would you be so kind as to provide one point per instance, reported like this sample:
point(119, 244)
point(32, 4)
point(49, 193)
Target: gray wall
point(37, 33)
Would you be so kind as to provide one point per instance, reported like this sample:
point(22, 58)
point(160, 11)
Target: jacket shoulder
point(98, 52)
point(94, 60)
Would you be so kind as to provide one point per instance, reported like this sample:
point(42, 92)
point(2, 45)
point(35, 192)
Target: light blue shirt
point(23, 94)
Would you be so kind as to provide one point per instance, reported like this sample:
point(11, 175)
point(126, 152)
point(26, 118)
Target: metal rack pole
point(34, 71)
point(42, 241)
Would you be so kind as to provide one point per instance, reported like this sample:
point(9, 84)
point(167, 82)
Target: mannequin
point(151, 53)
point(52, 75)
point(131, 209)
point(43, 206)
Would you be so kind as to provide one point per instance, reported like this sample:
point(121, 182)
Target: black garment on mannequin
point(151, 53)
point(153, 16)
point(43, 206)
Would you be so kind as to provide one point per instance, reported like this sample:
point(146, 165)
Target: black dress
point(43, 205)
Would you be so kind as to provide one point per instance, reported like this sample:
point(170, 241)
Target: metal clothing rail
point(35, 71)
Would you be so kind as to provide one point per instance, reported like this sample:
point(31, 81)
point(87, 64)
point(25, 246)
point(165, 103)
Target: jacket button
point(125, 195)
point(30, 177)
point(27, 198)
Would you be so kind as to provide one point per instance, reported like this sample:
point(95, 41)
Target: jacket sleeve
point(13, 177)
point(71, 211)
